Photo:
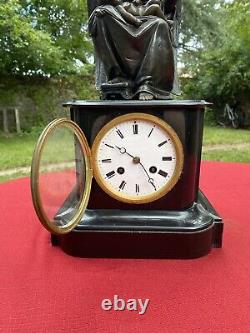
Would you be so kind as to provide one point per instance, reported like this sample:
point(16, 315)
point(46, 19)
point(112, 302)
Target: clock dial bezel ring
point(35, 167)
point(146, 198)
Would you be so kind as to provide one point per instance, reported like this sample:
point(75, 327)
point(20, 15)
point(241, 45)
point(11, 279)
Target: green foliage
point(220, 67)
point(209, 118)
point(48, 39)
point(45, 38)
point(40, 100)
point(198, 24)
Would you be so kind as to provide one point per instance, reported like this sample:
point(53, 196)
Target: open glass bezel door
point(50, 224)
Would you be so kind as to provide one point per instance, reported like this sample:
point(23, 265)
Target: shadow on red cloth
point(44, 290)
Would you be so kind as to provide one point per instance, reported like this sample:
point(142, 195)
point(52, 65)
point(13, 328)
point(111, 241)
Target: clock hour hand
point(124, 151)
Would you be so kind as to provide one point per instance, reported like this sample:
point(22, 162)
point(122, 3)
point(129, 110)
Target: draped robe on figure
point(141, 56)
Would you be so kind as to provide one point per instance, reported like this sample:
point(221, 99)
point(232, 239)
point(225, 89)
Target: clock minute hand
point(137, 160)
point(150, 180)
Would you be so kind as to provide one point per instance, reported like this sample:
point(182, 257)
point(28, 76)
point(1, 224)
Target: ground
point(220, 144)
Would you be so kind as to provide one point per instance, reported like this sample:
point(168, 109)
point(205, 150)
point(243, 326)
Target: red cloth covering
point(44, 290)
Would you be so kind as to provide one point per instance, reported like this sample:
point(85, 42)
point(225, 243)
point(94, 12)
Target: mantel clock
point(121, 179)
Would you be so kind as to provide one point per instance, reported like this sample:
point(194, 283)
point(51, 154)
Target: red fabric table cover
point(44, 290)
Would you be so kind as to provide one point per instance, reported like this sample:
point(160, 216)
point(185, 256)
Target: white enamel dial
point(137, 158)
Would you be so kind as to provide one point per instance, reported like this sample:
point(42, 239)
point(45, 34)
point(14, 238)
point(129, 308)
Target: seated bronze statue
point(135, 44)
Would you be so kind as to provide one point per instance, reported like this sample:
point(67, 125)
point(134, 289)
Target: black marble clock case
point(182, 224)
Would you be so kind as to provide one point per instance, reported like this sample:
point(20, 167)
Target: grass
point(16, 150)
point(220, 135)
point(232, 155)
point(14, 176)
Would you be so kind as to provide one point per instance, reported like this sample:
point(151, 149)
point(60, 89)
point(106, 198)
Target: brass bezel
point(151, 197)
point(46, 222)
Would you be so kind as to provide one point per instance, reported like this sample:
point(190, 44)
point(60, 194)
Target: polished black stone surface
point(182, 224)
point(122, 103)
point(185, 117)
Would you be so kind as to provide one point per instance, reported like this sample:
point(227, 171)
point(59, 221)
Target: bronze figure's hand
point(138, 23)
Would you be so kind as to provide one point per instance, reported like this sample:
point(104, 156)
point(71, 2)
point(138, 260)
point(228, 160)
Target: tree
point(199, 23)
point(49, 38)
point(220, 68)
point(43, 38)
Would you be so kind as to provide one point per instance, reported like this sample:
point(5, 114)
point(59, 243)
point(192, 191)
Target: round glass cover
point(61, 176)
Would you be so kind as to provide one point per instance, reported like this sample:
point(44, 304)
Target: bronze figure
point(135, 44)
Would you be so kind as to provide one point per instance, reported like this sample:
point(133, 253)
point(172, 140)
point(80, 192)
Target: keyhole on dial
point(153, 169)
point(120, 170)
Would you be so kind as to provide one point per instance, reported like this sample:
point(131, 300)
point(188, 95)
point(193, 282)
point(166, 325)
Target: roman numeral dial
point(138, 158)
point(119, 133)
point(135, 128)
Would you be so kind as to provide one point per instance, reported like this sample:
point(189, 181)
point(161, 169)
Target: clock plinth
point(187, 234)
point(180, 224)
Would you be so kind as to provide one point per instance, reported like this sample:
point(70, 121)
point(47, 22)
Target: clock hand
point(124, 151)
point(137, 160)
point(150, 180)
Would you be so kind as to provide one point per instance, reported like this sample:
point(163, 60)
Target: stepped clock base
point(187, 234)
